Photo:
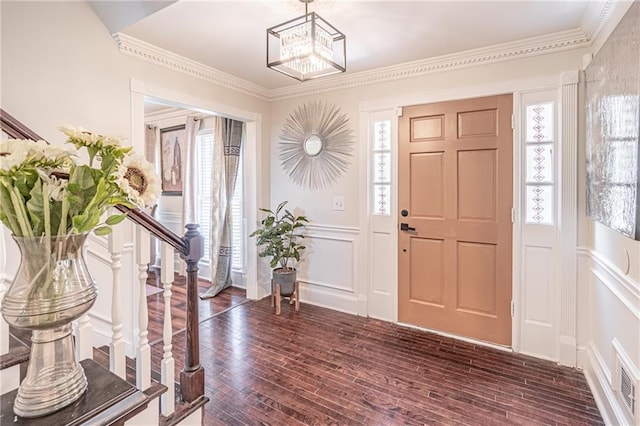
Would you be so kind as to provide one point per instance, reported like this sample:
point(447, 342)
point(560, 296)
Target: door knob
point(406, 227)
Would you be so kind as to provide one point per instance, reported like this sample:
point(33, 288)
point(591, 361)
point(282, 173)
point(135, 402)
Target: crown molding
point(595, 17)
point(565, 40)
point(150, 53)
point(609, 14)
point(592, 24)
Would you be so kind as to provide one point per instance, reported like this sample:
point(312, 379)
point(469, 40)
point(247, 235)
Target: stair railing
point(191, 249)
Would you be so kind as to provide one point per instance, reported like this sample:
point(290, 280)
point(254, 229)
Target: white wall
point(608, 293)
point(318, 205)
point(60, 66)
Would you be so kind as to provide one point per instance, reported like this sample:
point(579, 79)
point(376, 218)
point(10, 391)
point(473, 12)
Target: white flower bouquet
point(45, 190)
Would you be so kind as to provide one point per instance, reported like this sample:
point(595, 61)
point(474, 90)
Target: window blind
point(237, 219)
point(205, 144)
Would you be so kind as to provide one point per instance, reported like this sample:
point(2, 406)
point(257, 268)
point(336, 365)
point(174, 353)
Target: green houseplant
point(277, 237)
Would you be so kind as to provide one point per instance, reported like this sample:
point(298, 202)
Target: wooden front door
point(455, 189)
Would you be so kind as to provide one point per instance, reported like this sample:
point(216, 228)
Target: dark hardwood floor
point(207, 308)
point(320, 366)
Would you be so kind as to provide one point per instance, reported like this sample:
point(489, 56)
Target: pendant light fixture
point(306, 47)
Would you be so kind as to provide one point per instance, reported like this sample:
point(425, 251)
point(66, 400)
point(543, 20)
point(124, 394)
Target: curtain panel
point(228, 137)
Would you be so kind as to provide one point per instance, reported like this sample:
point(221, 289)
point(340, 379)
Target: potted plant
point(277, 236)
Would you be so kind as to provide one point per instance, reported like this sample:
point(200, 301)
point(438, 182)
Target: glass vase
point(52, 287)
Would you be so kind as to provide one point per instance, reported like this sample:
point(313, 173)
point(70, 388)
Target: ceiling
point(230, 36)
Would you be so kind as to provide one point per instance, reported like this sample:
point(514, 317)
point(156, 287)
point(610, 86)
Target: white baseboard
point(599, 379)
point(316, 295)
point(567, 351)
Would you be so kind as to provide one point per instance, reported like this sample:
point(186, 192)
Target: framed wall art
point(316, 145)
point(172, 142)
point(613, 129)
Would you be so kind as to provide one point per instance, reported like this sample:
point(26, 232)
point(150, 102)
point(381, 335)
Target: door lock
point(406, 227)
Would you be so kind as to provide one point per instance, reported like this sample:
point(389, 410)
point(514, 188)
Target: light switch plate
point(338, 202)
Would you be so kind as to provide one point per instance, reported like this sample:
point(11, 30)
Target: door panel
point(477, 185)
point(477, 123)
point(427, 184)
point(427, 128)
point(428, 262)
point(477, 278)
point(455, 179)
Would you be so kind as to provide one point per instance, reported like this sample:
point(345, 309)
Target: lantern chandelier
point(306, 47)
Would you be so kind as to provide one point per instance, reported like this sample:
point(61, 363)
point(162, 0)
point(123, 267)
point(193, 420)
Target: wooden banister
point(191, 249)
point(156, 228)
point(16, 129)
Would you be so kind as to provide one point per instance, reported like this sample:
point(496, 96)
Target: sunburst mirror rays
point(316, 145)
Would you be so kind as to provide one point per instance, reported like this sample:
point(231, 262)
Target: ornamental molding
point(595, 17)
point(584, 36)
point(565, 40)
point(570, 77)
point(148, 52)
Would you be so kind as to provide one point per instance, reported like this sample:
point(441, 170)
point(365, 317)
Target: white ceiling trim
point(565, 40)
point(134, 47)
point(595, 17)
point(572, 39)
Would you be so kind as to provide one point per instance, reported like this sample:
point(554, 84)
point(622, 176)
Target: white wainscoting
point(612, 318)
point(383, 278)
point(328, 273)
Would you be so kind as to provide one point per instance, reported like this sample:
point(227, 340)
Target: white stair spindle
point(117, 362)
point(167, 401)
point(143, 356)
point(83, 332)
point(4, 327)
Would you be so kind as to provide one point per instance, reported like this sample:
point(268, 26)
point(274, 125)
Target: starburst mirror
point(316, 145)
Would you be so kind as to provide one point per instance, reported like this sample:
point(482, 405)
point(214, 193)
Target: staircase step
point(183, 410)
point(13, 365)
point(108, 400)
point(18, 353)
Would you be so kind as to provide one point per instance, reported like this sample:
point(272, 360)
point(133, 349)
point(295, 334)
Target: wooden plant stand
point(276, 297)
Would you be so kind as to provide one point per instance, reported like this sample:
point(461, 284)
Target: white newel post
point(117, 361)
point(567, 341)
point(167, 400)
point(143, 356)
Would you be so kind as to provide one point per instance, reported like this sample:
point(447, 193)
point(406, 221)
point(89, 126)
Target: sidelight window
point(540, 142)
point(381, 168)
